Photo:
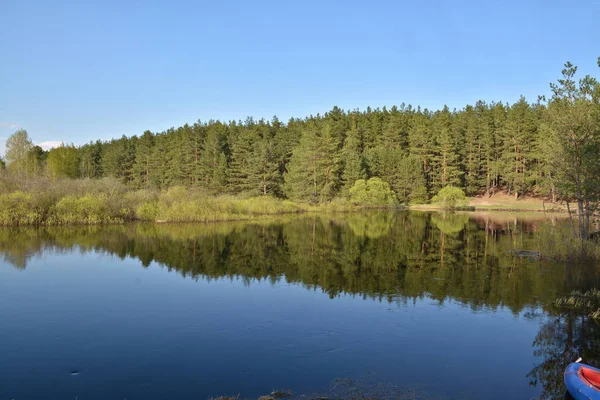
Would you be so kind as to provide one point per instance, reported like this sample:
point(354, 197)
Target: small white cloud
point(50, 144)
point(8, 125)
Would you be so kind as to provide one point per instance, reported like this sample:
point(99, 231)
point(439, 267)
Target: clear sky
point(81, 70)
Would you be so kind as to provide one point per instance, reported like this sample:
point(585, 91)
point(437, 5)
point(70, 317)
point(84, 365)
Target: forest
point(546, 148)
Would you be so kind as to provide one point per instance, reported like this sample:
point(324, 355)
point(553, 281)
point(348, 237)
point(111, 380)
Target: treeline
point(481, 148)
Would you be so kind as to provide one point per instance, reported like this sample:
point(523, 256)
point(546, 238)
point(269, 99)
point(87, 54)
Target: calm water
point(423, 302)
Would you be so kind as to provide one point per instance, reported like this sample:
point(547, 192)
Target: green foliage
point(584, 302)
point(546, 149)
point(559, 244)
point(379, 255)
point(572, 143)
point(80, 210)
point(308, 176)
point(179, 205)
point(18, 147)
point(19, 208)
point(374, 192)
point(63, 162)
point(450, 223)
point(450, 197)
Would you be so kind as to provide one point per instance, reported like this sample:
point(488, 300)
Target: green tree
point(352, 159)
point(36, 158)
point(212, 162)
point(446, 161)
point(90, 156)
point(421, 143)
point(450, 197)
point(18, 146)
point(517, 156)
point(118, 157)
point(373, 192)
point(63, 162)
point(264, 177)
point(243, 139)
point(313, 171)
point(574, 140)
point(473, 152)
point(410, 187)
point(143, 167)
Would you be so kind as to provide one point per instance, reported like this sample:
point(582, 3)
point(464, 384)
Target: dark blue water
point(80, 322)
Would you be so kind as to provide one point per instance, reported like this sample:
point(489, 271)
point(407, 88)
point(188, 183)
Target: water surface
point(428, 302)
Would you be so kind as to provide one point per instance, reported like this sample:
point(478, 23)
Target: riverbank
point(503, 203)
point(104, 206)
point(108, 201)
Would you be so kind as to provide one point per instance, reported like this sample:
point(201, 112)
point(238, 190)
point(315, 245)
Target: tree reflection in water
point(392, 257)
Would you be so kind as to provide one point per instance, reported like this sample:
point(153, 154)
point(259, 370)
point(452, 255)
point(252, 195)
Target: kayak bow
point(583, 381)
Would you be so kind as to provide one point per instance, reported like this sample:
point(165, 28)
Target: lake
point(413, 305)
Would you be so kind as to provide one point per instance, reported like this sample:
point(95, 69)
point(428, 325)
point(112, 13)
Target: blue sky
point(81, 70)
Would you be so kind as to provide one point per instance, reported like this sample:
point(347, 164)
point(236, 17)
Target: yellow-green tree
point(63, 162)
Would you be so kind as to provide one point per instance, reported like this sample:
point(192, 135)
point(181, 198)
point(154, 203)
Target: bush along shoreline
point(107, 201)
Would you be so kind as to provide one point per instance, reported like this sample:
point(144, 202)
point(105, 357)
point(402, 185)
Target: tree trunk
point(488, 182)
point(571, 219)
point(315, 176)
point(581, 218)
point(516, 172)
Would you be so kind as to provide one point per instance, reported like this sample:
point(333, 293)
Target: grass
point(557, 243)
point(501, 202)
point(587, 302)
point(107, 201)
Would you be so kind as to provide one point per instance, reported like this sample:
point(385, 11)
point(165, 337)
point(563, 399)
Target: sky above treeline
point(79, 71)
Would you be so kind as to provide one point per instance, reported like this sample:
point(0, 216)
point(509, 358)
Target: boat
point(582, 381)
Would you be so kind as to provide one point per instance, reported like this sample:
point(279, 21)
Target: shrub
point(559, 244)
point(374, 192)
point(147, 211)
point(450, 197)
point(88, 209)
point(19, 208)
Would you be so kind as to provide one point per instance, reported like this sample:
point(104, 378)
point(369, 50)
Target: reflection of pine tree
point(379, 255)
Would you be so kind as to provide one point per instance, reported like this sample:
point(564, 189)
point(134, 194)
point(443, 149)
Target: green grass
point(498, 204)
point(106, 201)
point(557, 243)
point(587, 302)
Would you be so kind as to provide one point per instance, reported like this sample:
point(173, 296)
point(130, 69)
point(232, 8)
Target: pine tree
point(243, 142)
point(519, 134)
point(142, 167)
point(118, 158)
point(264, 177)
point(473, 150)
point(330, 162)
point(421, 144)
point(446, 169)
point(90, 156)
point(409, 185)
point(311, 172)
point(212, 163)
point(353, 160)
